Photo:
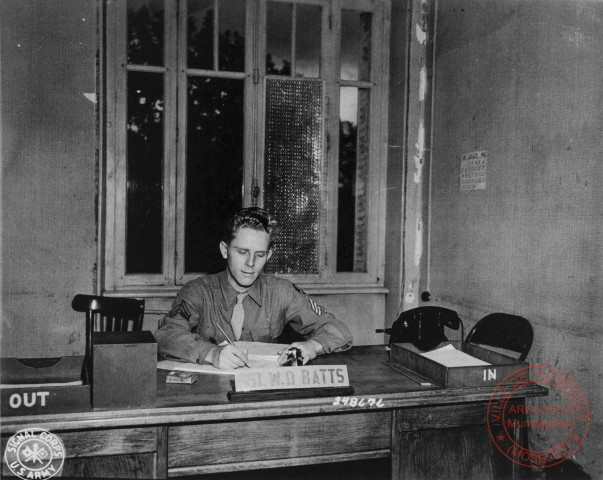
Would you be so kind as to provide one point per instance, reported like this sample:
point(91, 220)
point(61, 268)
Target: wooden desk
point(428, 432)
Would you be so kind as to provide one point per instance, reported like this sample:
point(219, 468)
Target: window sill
point(309, 288)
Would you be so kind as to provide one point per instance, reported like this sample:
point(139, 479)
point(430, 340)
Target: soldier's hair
point(251, 217)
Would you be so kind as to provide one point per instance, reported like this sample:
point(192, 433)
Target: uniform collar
point(230, 294)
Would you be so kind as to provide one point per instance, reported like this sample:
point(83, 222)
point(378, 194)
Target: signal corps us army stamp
point(34, 453)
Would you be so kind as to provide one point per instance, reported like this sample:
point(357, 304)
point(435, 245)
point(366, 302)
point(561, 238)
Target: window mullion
point(293, 38)
point(216, 33)
point(254, 83)
point(181, 120)
point(171, 150)
point(259, 102)
point(331, 67)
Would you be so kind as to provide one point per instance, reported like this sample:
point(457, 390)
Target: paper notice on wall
point(473, 170)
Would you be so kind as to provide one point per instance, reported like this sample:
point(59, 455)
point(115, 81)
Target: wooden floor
point(378, 469)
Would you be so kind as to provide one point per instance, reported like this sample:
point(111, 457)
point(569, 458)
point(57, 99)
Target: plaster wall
point(522, 81)
point(48, 56)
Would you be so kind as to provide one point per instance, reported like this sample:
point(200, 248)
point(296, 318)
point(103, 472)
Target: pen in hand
point(231, 342)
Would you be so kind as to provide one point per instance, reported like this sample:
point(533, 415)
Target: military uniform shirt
point(189, 330)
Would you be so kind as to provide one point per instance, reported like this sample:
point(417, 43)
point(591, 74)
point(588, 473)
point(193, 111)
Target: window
point(216, 104)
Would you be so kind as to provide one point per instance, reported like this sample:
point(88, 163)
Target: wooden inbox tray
point(409, 357)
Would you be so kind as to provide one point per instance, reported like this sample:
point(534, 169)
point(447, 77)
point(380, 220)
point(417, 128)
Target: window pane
point(214, 167)
point(353, 176)
point(307, 44)
point(293, 165)
point(200, 31)
point(278, 38)
point(145, 32)
point(144, 202)
point(231, 19)
point(355, 45)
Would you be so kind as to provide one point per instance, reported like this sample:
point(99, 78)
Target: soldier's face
point(246, 256)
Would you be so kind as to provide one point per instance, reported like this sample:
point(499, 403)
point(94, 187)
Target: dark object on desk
point(294, 358)
point(499, 369)
point(124, 368)
point(108, 314)
point(502, 330)
point(288, 394)
point(43, 385)
point(423, 327)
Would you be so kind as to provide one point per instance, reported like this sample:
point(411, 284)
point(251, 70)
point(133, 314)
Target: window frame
point(114, 279)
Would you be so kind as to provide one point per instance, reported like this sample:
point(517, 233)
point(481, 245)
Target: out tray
point(42, 385)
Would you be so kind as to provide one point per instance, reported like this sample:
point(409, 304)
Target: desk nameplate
point(291, 378)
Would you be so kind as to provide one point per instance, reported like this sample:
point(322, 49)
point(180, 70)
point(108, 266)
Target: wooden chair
point(423, 326)
point(505, 331)
point(108, 314)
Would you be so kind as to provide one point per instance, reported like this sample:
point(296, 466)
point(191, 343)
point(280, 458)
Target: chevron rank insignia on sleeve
point(317, 308)
point(181, 309)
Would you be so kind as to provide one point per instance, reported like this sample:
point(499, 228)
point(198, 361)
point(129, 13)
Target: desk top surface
point(368, 373)
point(206, 399)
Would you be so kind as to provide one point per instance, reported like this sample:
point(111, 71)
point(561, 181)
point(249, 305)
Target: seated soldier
point(245, 304)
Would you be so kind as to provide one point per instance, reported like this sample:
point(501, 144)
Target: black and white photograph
point(301, 239)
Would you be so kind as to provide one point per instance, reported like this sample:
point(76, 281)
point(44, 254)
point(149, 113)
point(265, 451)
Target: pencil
point(231, 342)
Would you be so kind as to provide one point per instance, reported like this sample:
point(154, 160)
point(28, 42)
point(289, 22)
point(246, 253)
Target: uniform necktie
point(238, 316)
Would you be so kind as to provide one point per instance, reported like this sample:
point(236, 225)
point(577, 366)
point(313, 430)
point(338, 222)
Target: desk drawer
point(114, 441)
point(278, 438)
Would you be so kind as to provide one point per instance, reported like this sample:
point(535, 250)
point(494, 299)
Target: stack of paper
point(451, 357)
point(260, 355)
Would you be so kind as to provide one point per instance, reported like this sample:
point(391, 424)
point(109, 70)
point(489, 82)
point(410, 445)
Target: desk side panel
point(278, 438)
point(450, 441)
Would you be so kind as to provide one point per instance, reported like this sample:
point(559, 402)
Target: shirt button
point(197, 361)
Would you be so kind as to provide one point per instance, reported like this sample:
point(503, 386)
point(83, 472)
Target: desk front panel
point(111, 452)
point(278, 438)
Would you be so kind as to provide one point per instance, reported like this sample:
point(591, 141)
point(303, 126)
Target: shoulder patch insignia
point(182, 309)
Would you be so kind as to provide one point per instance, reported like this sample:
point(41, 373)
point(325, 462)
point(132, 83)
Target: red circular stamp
point(560, 422)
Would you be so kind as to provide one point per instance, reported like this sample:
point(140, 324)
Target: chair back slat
point(110, 314)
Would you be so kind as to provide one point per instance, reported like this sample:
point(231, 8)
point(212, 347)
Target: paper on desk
point(451, 357)
point(259, 354)
point(190, 367)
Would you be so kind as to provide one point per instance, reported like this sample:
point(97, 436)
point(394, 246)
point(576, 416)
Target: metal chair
point(423, 326)
point(503, 330)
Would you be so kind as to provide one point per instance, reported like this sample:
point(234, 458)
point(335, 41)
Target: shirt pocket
point(265, 330)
